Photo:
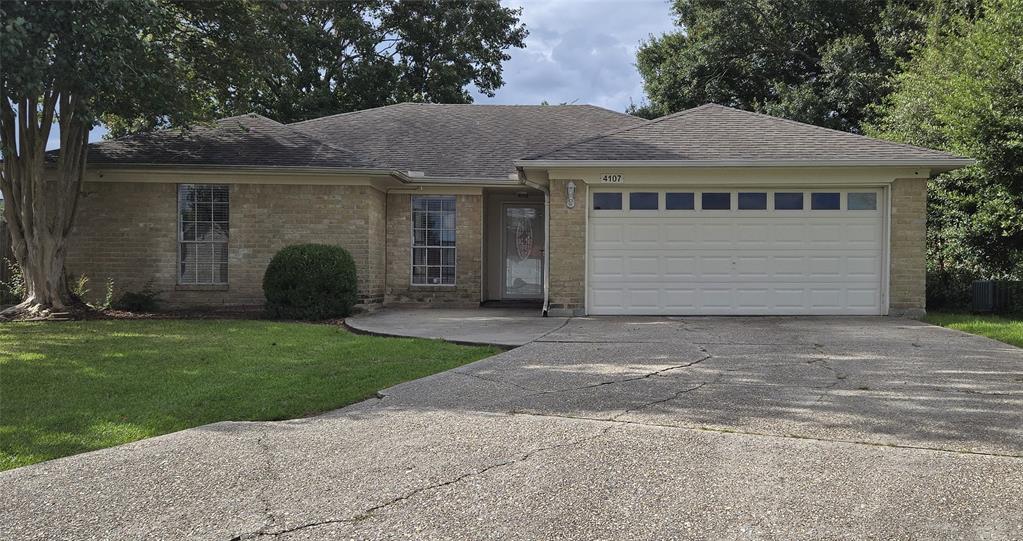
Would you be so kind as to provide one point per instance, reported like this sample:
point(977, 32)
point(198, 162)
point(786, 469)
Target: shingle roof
point(716, 133)
point(246, 140)
point(464, 141)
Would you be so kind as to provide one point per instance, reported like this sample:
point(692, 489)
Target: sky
point(577, 51)
point(581, 51)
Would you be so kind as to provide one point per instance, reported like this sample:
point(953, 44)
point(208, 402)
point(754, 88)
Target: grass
point(1003, 329)
point(67, 388)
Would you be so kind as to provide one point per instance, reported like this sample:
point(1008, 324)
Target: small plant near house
point(310, 281)
point(14, 287)
point(145, 300)
point(80, 288)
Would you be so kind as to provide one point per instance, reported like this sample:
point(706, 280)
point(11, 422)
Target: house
point(708, 211)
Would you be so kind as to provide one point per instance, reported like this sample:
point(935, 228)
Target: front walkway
point(497, 326)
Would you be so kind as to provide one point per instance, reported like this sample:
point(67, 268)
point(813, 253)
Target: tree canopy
point(963, 92)
point(815, 61)
point(321, 58)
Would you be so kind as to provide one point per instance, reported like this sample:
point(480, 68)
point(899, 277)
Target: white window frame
point(182, 242)
point(428, 247)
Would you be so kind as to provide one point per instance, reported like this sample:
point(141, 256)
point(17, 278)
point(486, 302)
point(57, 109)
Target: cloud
point(581, 51)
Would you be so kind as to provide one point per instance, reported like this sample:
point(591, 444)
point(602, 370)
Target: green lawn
point(67, 388)
point(1005, 329)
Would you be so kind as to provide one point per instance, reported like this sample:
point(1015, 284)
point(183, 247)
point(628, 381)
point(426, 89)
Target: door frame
point(504, 253)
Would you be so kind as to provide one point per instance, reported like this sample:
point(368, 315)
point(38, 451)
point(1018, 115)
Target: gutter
point(947, 164)
point(546, 241)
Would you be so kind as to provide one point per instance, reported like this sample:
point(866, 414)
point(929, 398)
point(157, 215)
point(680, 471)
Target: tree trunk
point(40, 198)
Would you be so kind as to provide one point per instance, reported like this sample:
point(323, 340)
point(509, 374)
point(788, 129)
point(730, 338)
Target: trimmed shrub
point(310, 281)
point(145, 300)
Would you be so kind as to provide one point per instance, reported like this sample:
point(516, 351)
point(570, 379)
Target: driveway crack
point(369, 512)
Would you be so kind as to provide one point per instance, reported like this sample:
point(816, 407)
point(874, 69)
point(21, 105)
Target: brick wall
point(468, 240)
point(908, 249)
point(127, 232)
point(568, 250)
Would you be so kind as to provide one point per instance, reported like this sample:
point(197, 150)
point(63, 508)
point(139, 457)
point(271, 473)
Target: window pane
point(220, 212)
point(788, 200)
point(188, 263)
point(607, 201)
point(447, 275)
point(419, 275)
point(717, 201)
point(433, 236)
point(863, 201)
point(643, 201)
point(203, 219)
point(825, 201)
point(752, 200)
point(679, 201)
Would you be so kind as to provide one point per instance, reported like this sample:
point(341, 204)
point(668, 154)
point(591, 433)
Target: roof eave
point(402, 176)
point(934, 164)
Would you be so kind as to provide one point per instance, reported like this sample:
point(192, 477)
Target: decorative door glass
point(523, 252)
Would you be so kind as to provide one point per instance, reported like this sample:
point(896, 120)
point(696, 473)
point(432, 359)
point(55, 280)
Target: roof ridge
point(614, 132)
point(832, 130)
point(346, 113)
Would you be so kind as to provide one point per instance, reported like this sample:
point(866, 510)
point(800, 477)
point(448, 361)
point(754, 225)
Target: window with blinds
point(433, 240)
point(203, 230)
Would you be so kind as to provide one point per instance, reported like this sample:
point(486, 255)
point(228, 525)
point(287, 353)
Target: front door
point(522, 239)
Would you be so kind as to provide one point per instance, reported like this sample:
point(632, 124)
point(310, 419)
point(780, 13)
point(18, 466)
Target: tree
point(70, 63)
point(963, 92)
point(341, 56)
point(815, 61)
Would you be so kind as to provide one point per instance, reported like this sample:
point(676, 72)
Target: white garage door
point(735, 252)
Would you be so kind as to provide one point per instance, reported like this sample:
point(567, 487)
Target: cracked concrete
point(646, 428)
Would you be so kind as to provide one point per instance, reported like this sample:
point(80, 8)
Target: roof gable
point(462, 141)
point(714, 133)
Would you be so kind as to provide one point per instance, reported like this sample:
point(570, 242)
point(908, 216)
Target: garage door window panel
point(643, 200)
point(679, 201)
point(752, 200)
point(825, 201)
point(862, 201)
point(788, 201)
point(716, 200)
point(607, 201)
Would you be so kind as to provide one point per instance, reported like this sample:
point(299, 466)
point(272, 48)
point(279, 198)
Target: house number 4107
point(611, 178)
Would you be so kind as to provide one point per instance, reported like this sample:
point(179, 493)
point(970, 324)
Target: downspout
point(546, 241)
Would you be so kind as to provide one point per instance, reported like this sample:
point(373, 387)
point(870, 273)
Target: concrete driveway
point(609, 428)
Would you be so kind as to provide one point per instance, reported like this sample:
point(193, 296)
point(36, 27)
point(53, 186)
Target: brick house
point(581, 209)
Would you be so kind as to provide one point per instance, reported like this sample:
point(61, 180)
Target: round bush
point(310, 281)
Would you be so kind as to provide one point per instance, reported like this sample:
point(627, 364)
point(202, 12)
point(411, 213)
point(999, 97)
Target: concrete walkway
point(497, 326)
point(607, 428)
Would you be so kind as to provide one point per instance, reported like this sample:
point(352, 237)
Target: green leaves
point(816, 62)
point(963, 92)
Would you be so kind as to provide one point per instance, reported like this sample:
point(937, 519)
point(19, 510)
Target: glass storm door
point(522, 238)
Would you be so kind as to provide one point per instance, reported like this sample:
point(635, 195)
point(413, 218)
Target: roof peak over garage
point(713, 134)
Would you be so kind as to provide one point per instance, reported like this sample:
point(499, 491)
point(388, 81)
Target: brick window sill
point(200, 287)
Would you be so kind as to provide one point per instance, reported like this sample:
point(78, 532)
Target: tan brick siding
point(468, 241)
point(568, 249)
point(908, 247)
point(127, 232)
